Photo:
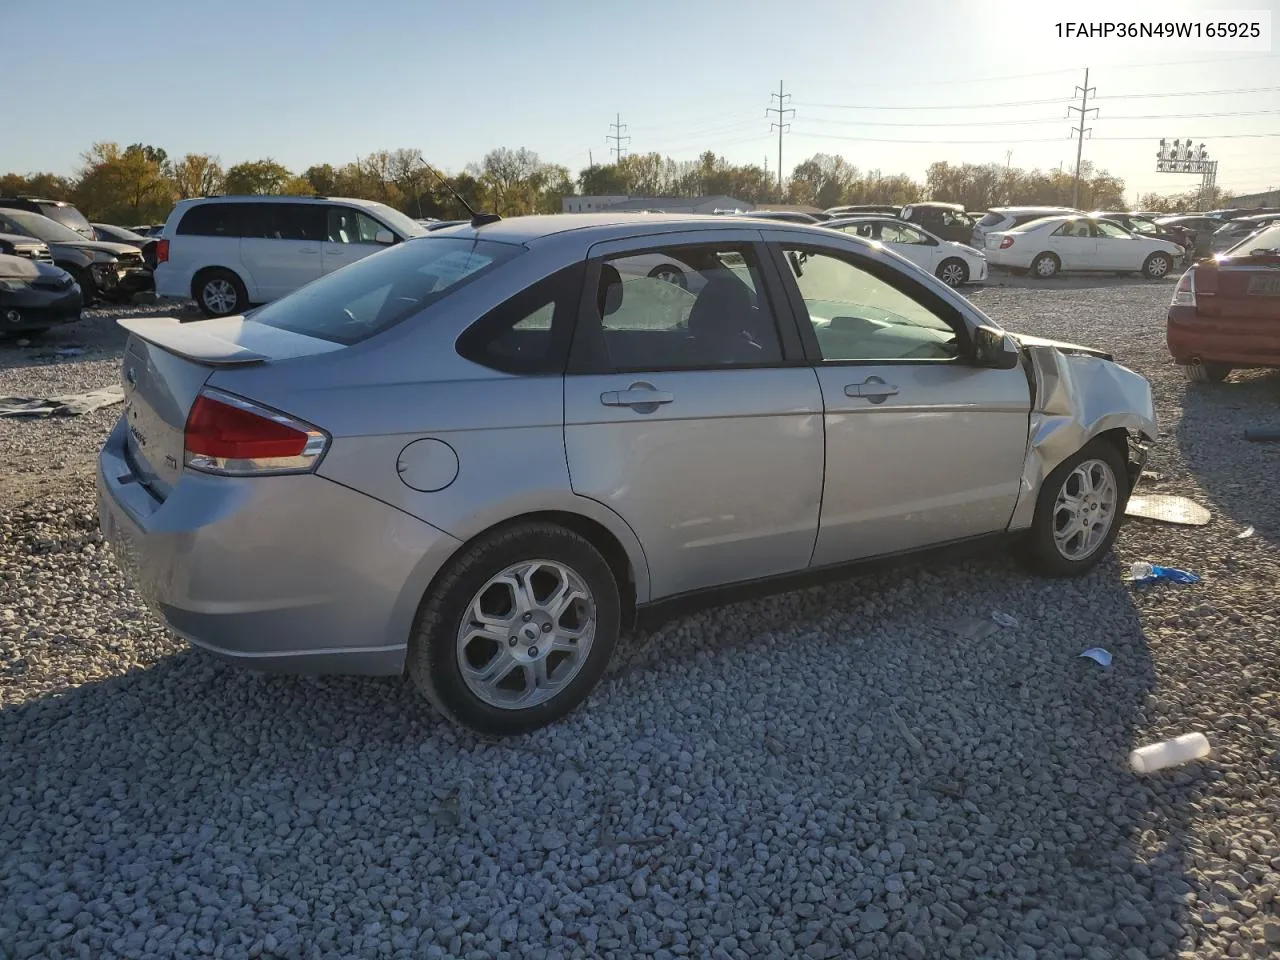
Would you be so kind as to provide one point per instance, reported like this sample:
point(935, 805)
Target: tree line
point(139, 183)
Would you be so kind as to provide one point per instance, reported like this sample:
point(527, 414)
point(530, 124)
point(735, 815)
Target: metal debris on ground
point(1004, 619)
point(68, 405)
point(1142, 572)
point(1168, 508)
point(1099, 656)
point(1245, 534)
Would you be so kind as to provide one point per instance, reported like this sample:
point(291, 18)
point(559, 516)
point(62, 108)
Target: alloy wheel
point(219, 296)
point(1085, 509)
point(526, 634)
point(952, 275)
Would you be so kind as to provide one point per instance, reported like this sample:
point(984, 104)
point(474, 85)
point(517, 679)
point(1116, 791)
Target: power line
point(1187, 93)
point(1014, 123)
point(1032, 103)
point(782, 127)
point(618, 138)
point(1081, 130)
point(834, 136)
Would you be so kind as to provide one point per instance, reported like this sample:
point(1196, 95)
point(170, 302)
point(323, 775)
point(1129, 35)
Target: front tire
point(1078, 512)
point(1046, 265)
point(219, 293)
point(953, 272)
point(1200, 372)
point(1157, 266)
point(517, 631)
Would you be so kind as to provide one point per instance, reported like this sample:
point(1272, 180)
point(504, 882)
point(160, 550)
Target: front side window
point(856, 316)
point(684, 307)
point(1073, 228)
point(379, 291)
point(1106, 229)
point(346, 225)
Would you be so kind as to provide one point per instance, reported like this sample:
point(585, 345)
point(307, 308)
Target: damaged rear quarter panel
point(1077, 397)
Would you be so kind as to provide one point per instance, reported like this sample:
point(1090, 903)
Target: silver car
point(480, 456)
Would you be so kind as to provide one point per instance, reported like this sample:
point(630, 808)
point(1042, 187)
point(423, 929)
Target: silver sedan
point(480, 456)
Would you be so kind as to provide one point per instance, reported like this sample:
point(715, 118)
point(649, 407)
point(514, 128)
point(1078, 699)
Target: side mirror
point(384, 237)
point(992, 348)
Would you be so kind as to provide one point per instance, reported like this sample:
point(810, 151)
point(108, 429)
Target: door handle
point(637, 397)
point(873, 389)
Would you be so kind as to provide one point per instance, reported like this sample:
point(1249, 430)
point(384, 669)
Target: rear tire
point(451, 649)
point(1045, 266)
point(1048, 548)
point(219, 293)
point(1157, 266)
point(1200, 372)
point(953, 271)
point(88, 289)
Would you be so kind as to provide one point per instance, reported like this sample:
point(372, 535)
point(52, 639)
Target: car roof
point(275, 198)
point(595, 227)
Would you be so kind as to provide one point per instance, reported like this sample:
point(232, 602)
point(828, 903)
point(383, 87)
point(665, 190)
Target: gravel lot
point(826, 773)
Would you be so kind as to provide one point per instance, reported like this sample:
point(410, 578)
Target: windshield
point(68, 216)
point(1268, 240)
point(41, 227)
point(1142, 226)
point(367, 297)
point(398, 221)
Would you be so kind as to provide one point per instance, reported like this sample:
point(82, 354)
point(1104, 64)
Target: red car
point(1225, 313)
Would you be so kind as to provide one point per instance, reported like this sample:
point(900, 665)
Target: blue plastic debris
point(1142, 572)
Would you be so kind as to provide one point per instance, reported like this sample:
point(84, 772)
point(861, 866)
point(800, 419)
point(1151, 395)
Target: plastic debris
point(1143, 572)
point(1004, 619)
point(1169, 753)
point(1170, 509)
point(1099, 656)
point(1245, 534)
point(68, 405)
point(1255, 434)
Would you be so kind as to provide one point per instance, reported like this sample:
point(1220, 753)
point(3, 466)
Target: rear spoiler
point(186, 341)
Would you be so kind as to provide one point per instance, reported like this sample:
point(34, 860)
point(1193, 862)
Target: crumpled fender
point(1077, 397)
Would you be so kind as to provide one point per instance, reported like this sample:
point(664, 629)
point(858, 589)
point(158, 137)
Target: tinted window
point(858, 316)
point(529, 333)
point(684, 307)
point(991, 219)
point(285, 221)
point(213, 220)
point(373, 294)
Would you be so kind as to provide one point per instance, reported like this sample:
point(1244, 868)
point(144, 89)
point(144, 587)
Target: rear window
point(1268, 240)
point(375, 293)
point(68, 216)
point(991, 219)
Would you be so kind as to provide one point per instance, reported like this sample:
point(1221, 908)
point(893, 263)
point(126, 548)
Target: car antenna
point(477, 219)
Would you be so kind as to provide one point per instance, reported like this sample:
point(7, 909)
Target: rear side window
point(284, 221)
point(530, 333)
point(381, 290)
point(213, 220)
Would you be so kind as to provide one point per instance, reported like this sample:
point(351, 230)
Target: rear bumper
point(289, 573)
point(1240, 342)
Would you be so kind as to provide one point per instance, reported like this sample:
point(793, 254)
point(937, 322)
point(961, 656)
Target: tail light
point(1006, 243)
point(1184, 294)
point(234, 437)
point(162, 251)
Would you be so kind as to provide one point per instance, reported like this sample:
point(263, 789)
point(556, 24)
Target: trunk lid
point(1246, 287)
point(166, 363)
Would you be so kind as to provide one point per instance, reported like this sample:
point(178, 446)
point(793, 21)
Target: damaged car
point(103, 270)
point(522, 444)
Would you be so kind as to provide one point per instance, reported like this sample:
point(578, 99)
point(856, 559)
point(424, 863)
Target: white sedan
point(952, 263)
point(1050, 245)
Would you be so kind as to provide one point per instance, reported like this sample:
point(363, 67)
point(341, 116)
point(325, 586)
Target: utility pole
point(782, 111)
point(618, 138)
point(1084, 110)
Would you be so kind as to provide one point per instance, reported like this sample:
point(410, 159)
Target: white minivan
point(228, 253)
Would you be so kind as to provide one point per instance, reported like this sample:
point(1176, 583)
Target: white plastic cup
point(1169, 753)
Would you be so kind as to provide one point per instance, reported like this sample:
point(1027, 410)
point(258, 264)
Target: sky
point(328, 81)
